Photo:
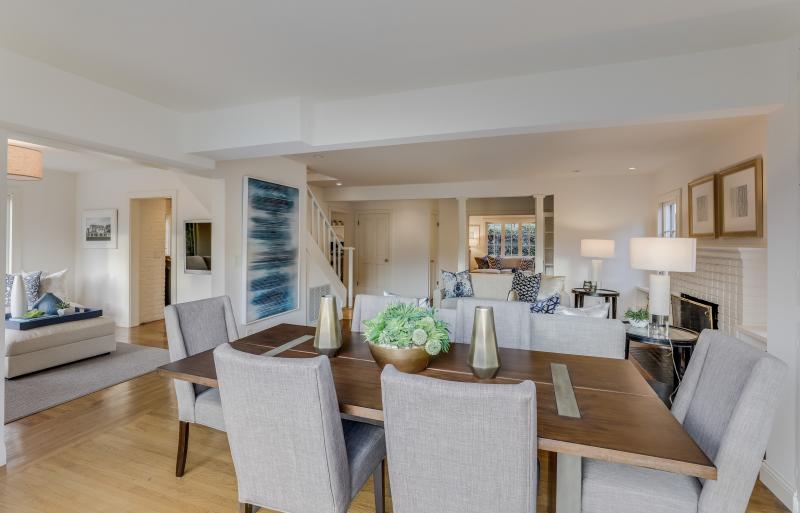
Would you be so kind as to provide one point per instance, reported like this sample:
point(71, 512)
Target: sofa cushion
point(456, 284)
point(526, 264)
point(495, 262)
point(599, 311)
point(482, 262)
point(31, 281)
point(27, 341)
point(526, 285)
point(547, 305)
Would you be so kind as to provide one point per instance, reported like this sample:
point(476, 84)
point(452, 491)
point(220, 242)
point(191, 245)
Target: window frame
point(502, 223)
point(670, 198)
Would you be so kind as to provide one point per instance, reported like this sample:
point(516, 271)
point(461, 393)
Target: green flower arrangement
point(402, 326)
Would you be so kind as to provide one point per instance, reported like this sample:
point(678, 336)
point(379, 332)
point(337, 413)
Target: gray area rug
point(33, 393)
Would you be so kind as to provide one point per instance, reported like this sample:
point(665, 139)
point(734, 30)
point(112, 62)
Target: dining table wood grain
point(621, 419)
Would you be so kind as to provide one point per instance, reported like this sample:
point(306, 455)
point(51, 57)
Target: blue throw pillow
point(32, 282)
point(456, 284)
point(547, 305)
point(527, 285)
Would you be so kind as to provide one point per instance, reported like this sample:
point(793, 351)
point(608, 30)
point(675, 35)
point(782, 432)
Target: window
point(511, 239)
point(669, 214)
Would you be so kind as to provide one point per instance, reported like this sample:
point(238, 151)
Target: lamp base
point(659, 326)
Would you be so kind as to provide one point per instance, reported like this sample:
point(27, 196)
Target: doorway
point(372, 252)
point(152, 273)
point(433, 265)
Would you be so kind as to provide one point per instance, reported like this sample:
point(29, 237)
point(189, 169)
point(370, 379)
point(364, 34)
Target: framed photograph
point(100, 229)
point(740, 196)
point(271, 242)
point(702, 207)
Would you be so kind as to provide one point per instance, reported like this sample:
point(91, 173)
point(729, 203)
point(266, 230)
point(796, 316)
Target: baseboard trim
point(783, 489)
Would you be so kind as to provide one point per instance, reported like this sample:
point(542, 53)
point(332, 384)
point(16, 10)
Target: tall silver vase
point(484, 358)
point(328, 338)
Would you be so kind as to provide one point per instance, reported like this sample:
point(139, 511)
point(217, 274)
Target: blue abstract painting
point(272, 221)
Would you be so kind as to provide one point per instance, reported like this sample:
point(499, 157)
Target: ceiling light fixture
point(631, 169)
point(338, 183)
point(24, 163)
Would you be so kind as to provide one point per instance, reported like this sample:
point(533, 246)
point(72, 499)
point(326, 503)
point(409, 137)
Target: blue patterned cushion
point(547, 305)
point(32, 282)
point(527, 286)
point(456, 284)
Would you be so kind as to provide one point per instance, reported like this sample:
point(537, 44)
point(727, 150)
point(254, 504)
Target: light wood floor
point(114, 451)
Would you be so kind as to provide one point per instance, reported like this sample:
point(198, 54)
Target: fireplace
point(694, 313)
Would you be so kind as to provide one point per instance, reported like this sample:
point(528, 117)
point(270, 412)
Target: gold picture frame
point(740, 199)
point(703, 219)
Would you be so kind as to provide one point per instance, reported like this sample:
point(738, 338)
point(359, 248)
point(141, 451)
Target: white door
point(372, 250)
point(433, 266)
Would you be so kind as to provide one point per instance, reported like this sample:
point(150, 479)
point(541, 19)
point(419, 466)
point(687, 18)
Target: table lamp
point(597, 250)
point(663, 255)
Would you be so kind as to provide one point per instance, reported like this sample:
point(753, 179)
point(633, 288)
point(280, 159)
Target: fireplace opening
point(694, 313)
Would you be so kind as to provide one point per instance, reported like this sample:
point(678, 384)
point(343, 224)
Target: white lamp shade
point(597, 248)
point(669, 254)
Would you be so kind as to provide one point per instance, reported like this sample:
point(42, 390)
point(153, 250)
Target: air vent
point(314, 296)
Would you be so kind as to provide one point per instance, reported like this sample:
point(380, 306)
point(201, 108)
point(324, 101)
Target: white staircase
point(327, 249)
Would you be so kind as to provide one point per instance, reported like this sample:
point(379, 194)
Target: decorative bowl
point(406, 359)
point(638, 323)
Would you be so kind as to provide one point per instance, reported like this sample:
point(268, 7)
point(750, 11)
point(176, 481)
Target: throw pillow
point(525, 264)
point(54, 282)
point(421, 301)
point(596, 311)
point(547, 305)
point(32, 281)
point(527, 285)
point(495, 262)
point(456, 284)
point(482, 262)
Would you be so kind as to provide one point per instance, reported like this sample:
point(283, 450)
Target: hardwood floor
point(114, 450)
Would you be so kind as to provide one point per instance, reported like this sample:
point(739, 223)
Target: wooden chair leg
point(246, 508)
point(183, 448)
point(380, 487)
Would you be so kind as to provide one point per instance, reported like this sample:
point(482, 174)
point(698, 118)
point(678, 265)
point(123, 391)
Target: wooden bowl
point(406, 359)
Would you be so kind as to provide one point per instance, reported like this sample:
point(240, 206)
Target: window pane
point(528, 240)
point(511, 247)
point(493, 235)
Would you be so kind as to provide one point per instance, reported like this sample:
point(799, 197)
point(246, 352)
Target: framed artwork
point(100, 229)
point(271, 242)
point(740, 196)
point(702, 207)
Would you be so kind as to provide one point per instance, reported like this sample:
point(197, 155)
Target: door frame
point(434, 273)
point(358, 214)
point(172, 195)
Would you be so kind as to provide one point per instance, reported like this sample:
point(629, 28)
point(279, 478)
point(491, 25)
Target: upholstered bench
point(41, 348)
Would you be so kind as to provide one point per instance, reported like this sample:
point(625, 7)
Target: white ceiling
point(193, 55)
point(596, 151)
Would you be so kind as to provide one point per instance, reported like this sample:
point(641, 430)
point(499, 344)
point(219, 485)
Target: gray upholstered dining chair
point(727, 403)
point(457, 447)
point(291, 449)
point(192, 328)
point(511, 321)
point(367, 307)
point(577, 335)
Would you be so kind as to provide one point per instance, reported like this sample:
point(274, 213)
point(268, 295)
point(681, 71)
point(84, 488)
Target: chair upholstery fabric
point(727, 403)
point(208, 409)
point(511, 322)
point(578, 335)
point(286, 436)
point(368, 307)
point(192, 328)
point(459, 447)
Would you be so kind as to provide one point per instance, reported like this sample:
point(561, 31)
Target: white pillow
point(596, 311)
point(56, 283)
point(421, 301)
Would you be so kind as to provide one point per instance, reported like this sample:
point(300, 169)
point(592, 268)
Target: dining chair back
point(511, 322)
point(727, 402)
point(577, 335)
point(368, 307)
point(458, 447)
point(287, 437)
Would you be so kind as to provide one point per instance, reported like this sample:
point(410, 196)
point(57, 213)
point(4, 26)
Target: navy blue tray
point(47, 320)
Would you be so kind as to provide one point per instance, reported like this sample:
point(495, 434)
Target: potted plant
point(638, 318)
point(64, 308)
point(406, 336)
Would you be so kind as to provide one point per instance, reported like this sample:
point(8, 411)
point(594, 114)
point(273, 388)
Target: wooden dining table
point(615, 415)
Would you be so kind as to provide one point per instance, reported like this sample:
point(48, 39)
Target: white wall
point(44, 221)
point(448, 234)
point(102, 275)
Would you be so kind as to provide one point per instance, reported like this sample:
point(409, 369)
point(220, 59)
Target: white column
point(4, 196)
point(539, 259)
point(463, 251)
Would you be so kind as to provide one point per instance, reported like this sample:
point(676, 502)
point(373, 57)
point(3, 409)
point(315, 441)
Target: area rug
point(33, 393)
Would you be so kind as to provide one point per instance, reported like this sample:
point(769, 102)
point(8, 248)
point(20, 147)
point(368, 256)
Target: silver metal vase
point(328, 338)
point(484, 358)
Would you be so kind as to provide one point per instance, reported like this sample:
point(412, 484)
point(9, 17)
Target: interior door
point(433, 266)
point(372, 250)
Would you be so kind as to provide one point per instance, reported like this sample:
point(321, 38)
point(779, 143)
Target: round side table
point(610, 296)
point(682, 341)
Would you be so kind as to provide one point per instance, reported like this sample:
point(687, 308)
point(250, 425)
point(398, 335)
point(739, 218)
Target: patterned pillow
point(495, 262)
point(526, 264)
point(547, 305)
point(31, 281)
point(456, 284)
point(482, 262)
point(527, 285)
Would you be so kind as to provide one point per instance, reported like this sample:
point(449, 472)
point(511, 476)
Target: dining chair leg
point(246, 508)
point(380, 487)
point(183, 448)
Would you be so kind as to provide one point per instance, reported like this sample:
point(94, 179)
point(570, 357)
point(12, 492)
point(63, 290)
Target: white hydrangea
point(419, 337)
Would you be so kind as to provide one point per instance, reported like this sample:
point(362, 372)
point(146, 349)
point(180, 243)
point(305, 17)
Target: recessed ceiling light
point(631, 169)
point(338, 183)
point(576, 170)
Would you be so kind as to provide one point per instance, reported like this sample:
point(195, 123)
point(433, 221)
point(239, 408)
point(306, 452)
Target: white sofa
point(41, 348)
point(497, 286)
